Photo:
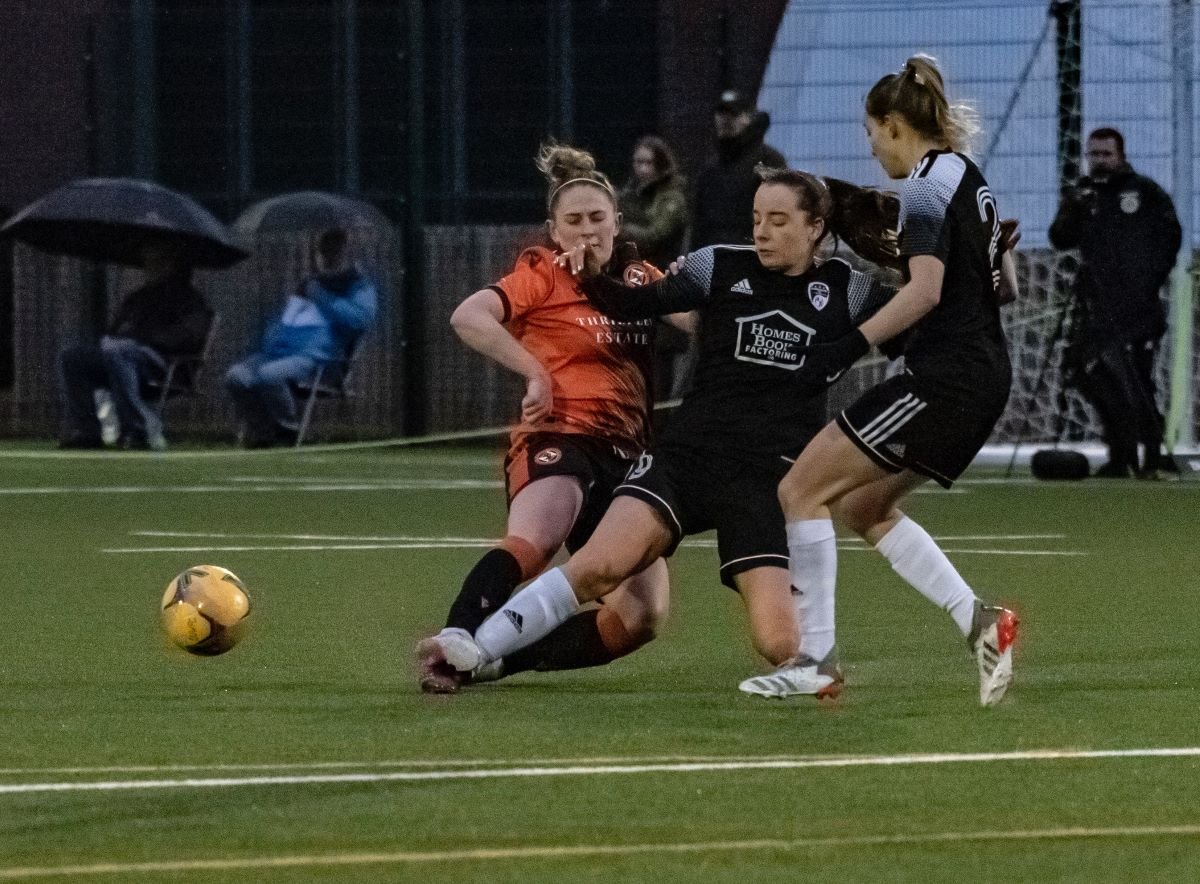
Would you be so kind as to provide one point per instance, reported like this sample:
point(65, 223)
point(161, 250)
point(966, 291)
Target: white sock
point(813, 551)
point(532, 613)
point(918, 559)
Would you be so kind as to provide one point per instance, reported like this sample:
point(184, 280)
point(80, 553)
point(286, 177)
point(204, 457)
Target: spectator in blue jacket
point(318, 325)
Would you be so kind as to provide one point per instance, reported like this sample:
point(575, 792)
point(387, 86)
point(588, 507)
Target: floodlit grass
point(324, 686)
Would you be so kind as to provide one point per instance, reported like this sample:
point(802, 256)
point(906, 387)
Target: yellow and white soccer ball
point(204, 610)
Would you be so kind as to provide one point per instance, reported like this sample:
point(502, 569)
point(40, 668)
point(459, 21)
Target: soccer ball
point(204, 610)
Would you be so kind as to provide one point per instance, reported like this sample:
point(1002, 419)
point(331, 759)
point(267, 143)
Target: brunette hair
point(664, 158)
point(863, 217)
point(917, 93)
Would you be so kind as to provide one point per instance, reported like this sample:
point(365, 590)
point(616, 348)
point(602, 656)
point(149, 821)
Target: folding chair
point(330, 380)
point(181, 372)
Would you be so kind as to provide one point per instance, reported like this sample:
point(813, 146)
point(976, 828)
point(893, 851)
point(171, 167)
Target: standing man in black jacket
point(1128, 235)
point(725, 190)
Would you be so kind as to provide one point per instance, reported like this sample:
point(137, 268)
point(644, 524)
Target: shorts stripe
point(884, 415)
point(733, 562)
point(854, 436)
point(897, 420)
point(639, 491)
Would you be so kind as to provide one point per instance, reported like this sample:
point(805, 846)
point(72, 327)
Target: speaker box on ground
point(1058, 463)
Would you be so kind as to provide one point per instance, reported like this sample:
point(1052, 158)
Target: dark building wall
point(706, 46)
point(44, 94)
point(54, 91)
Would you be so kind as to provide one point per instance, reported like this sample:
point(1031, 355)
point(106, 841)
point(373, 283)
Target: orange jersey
point(600, 367)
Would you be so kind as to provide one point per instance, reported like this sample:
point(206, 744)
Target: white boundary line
point(595, 850)
point(361, 547)
point(584, 770)
point(395, 763)
point(359, 543)
point(411, 537)
point(323, 487)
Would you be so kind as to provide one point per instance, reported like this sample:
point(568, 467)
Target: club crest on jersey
point(818, 294)
point(773, 338)
point(548, 456)
point(1131, 201)
point(635, 274)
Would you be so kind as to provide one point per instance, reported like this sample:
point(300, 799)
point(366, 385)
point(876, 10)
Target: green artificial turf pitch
point(307, 753)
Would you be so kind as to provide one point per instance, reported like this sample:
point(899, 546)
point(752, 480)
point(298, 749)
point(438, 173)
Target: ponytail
point(917, 93)
point(864, 218)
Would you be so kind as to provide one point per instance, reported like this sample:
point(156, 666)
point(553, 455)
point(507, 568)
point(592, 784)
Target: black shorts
point(598, 465)
point(697, 491)
point(912, 423)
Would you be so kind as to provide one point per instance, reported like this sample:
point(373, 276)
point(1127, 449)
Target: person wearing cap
point(725, 190)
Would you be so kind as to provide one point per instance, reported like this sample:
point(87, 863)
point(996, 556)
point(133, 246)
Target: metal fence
point(54, 298)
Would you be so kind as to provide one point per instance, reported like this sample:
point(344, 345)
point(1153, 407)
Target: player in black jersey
point(930, 421)
point(752, 409)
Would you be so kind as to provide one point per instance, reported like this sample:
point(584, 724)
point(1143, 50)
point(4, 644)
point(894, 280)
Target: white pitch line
point(348, 538)
point(294, 547)
point(581, 770)
point(483, 544)
point(355, 480)
point(401, 857)
point(1014, 552)
point(377, 765)
point(413, 537)
point(395, 485)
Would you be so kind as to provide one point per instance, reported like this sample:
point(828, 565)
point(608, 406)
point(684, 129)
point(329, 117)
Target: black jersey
point(749, 398)
point(947, 211)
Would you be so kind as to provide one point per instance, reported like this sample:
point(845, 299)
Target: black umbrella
point(112, 219)
point(308, 210)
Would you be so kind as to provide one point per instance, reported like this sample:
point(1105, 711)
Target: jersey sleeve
point(865, 294)
point(924, 203)
point(528, 285)
point(677, 292)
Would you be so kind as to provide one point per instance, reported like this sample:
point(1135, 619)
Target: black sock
point(574, 645)
point(486, 588)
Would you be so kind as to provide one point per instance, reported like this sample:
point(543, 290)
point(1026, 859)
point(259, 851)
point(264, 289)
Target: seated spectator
point(318, 325)
point(166, 317)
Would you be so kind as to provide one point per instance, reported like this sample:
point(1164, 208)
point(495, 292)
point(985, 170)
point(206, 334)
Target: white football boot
point(993, 634)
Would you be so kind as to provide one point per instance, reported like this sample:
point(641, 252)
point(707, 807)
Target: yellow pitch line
point(592, 850)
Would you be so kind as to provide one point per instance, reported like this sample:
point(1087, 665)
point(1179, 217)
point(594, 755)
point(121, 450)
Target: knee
point(239, 377)
point(644, 622)
point(114, 347)
point(795, 491)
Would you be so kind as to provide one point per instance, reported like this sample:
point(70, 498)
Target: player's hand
point(580, 260)
point(538, 399)
point(825, 362)
point(1010, 234)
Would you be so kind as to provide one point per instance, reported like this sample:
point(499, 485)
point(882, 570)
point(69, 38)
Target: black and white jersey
point(749, 397)
point(947, 211)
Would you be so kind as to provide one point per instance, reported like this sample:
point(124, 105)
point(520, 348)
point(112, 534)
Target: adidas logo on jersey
point(516, 620)
point(742, 287)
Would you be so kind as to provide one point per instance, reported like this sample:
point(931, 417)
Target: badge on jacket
point(1131, 201)
point(818, 294)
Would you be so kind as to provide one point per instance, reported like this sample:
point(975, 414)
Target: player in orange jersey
point(585, 416)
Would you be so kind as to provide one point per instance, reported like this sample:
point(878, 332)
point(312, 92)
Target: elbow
point(928, 297)
point(460, 320)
